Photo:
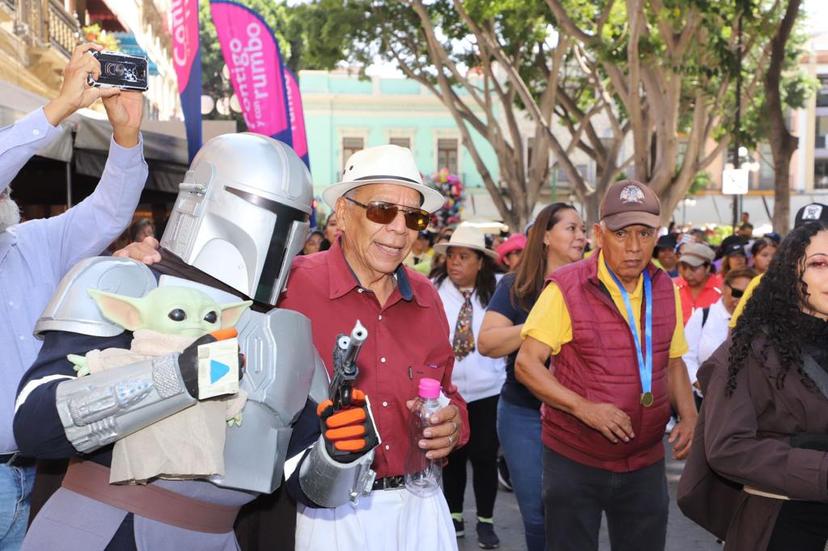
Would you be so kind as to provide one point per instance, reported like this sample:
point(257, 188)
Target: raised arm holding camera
point(35, 255)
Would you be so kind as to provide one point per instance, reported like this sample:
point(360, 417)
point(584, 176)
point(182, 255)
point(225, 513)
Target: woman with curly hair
point(766, 403)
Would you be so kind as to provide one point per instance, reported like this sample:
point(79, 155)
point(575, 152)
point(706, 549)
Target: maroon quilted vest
point(600, 364)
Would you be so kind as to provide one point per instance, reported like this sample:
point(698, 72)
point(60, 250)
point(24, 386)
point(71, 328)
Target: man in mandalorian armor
point(240, 217)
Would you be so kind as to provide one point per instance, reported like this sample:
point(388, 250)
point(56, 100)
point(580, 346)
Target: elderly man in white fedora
point(380, 205)
point(466, 283)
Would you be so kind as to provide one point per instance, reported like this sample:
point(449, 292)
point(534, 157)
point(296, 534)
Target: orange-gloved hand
point(350, 432)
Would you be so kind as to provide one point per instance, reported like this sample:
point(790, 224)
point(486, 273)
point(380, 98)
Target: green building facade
point(344, 114)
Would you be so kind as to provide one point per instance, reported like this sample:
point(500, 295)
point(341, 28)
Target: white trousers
point(385, 520)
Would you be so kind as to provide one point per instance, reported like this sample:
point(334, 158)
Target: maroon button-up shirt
point(408, 338)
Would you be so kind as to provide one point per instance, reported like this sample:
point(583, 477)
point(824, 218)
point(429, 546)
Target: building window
point(822, 93)
point(351, 146)
point(821, 174)
point(767, 177)
point(821, 131)
point(402, 142)
point(562, 178)
point(447, 154)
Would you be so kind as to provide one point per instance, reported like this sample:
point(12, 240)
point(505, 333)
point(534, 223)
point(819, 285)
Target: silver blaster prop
point(328, 476)
point(344, 363)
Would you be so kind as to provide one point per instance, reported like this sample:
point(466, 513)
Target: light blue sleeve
point(20, 141)
point(90, 226)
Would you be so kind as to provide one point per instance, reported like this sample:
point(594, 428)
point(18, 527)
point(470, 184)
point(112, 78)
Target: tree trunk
point(592, 203)
point(782, 142)
point(782, 191)
point(513, 216)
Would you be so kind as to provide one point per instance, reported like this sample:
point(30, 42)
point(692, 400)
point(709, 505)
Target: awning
point(165, 148)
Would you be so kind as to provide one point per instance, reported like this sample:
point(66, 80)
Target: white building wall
point(149, 21)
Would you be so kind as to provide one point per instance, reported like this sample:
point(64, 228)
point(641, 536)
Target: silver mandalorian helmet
point(242, 212)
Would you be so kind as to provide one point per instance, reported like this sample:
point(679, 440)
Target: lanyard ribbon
point(645, 364)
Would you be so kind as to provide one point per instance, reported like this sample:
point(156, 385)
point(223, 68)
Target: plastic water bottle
point(423, 476)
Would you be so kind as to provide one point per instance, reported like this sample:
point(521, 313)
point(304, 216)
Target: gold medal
point(647, 399)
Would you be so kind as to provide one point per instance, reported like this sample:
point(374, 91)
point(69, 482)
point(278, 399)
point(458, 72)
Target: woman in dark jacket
point(766, 404)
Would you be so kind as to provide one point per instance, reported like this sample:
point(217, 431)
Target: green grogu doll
point(187, 444)
point(169, 310)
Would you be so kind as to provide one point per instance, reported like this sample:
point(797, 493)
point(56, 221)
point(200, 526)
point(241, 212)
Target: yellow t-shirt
point(424, 264)
point(740, 306)
point(549, 320)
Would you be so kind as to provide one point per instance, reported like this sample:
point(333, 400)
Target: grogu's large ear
point(125, 311)
point(230, 313)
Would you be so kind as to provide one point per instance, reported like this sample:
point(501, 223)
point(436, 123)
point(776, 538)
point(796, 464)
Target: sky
point(817, 13)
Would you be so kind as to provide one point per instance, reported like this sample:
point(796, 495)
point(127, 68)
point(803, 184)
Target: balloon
point(452, 189)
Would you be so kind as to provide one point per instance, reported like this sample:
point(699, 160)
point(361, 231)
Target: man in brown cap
point(613, 322)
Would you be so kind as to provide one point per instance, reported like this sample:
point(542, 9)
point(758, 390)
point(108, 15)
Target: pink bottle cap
point(429, 388)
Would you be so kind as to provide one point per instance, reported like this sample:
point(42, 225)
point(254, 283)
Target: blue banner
point(187, 62)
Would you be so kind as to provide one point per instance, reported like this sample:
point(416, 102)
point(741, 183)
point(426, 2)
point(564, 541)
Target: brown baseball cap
point(629, 202)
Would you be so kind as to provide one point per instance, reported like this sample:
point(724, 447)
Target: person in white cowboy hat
point(466, 283)
point(380, 206)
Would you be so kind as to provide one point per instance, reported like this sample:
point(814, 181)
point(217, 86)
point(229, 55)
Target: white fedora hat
point(468, 236)
point(383, 164)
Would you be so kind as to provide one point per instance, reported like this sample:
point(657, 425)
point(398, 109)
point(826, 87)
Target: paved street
point(682, 534)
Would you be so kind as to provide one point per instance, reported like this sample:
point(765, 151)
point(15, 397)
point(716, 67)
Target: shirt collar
point(605, 278)
point(342, 279)
point(711, 283)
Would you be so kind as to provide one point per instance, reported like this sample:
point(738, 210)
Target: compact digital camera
point(124, 71)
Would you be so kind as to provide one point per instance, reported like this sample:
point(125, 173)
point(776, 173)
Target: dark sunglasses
point(385, 213)
point(737, 293)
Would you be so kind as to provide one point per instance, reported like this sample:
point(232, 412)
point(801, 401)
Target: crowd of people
point(568, 350)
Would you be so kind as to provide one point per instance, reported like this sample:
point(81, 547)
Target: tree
point(786, 87)
point(642, 87)
point(656, 73)
point(489, 63)
point(669, 66)
point(782, 142)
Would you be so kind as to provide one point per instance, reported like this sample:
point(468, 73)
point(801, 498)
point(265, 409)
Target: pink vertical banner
point(297, 117)
point(187, 63)
point(255, 63)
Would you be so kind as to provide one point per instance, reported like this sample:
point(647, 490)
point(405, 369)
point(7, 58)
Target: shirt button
point(22, 338)
point(360, 290)
point(382, 360)
point(388, 446)
point(379, 317)
point(36, 132)
point(385, 404)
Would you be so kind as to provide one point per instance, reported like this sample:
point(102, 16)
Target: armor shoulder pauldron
point(72, 309)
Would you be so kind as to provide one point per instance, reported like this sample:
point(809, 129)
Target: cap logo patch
point(631, 194)
point(812, 212)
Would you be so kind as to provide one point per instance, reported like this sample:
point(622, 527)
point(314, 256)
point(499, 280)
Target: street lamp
point(737, 150)
point(207, 104)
